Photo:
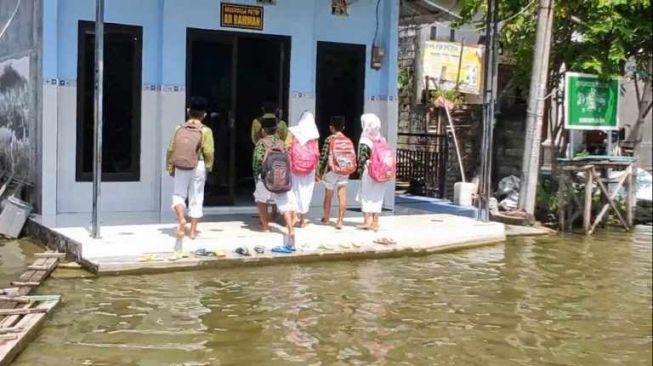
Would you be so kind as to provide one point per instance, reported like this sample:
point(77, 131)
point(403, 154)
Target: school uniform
point(285, 201)
point(371, 192)
point(330, 180)
point(189, 184)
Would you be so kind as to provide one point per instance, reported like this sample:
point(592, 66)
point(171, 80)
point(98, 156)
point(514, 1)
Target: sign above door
point(241, 16)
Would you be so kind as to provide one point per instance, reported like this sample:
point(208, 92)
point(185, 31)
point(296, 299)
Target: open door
point(340, 79)
point(236, 73)
point(210, 73)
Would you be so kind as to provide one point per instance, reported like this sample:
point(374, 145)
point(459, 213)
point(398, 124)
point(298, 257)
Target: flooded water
point(565, 300)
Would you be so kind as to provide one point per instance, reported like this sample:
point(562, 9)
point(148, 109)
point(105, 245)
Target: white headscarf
point(305, 130)
point(371, 129)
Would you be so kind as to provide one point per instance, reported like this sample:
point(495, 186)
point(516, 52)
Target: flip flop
point(148, 258)
point(201, 252)
point(259, 249)
point(242, 251)
point(305, 247)
point(282, 249)
point(325, 247)
point(178, 255)
point(216, 253)
point(385, 241)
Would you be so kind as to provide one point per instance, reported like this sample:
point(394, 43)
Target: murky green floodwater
point(550, 301)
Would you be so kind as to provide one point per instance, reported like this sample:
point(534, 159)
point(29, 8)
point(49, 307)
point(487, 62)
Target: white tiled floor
point(138, 234)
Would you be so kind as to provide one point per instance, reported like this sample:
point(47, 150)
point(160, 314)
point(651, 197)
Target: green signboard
point(591, 103)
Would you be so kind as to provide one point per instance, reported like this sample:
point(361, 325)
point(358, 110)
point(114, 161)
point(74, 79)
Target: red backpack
point(342, 155)
point(303, 158)
point(383, 162)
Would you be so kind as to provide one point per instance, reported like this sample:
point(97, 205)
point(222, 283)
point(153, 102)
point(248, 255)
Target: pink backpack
point(303, 158)
point(383, 162)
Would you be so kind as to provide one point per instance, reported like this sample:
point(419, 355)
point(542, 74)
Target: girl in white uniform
point(305, 132)
point(371, 193)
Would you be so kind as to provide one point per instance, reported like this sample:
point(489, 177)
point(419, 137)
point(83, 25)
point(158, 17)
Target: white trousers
point(302, 188)
point(285, 201)
point(190, 184)
point(371, 194)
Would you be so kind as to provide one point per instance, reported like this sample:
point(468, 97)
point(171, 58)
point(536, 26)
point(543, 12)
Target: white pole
point(97, 125)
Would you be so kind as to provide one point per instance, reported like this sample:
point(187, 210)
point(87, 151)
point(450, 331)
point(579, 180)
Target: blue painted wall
point(164, 25)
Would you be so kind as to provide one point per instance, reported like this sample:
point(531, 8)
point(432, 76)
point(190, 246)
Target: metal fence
point(421, 163)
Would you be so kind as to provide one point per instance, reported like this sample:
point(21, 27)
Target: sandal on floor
point(215, 253)
point(201, 252)
point(242, 251)
point(283, 249)
point(148, 258)
point(385, 241)
point(178, 255)
point(259, 249)
point(325, 247)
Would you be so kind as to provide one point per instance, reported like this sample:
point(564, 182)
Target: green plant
point(549, 199)
point(594, 36)
point(451, 95)
point(582, 154)
point(405, 78)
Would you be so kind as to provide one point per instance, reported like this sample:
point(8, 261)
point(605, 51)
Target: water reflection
point(569, 300)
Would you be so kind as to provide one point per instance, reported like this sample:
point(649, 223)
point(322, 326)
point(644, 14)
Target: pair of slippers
point(209, 253)
point(243, 251)
point(385, 241)
point(178, 255)
point(284, 249)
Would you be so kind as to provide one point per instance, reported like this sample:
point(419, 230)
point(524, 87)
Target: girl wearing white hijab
point(371, 193)
point(305, 132)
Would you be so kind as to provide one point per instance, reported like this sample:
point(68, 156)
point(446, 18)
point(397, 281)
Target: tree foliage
point(593, 36)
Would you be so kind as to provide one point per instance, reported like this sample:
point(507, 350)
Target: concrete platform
point(514, 230)
point(145, 242)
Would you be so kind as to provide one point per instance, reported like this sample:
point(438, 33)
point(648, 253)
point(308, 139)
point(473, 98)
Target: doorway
point(236, 73)
point(340, 78)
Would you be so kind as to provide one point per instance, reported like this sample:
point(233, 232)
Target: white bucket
point(13, 216)
point(462, 193)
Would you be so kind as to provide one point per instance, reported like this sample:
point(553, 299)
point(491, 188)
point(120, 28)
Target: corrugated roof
point(427, 11)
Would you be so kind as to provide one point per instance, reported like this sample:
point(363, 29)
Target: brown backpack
point(188, 142)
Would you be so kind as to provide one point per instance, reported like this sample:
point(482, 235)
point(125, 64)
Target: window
point(121, 147)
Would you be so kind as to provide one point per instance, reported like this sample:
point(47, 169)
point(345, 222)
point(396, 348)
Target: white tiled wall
point(73, 196)
point(162, 110)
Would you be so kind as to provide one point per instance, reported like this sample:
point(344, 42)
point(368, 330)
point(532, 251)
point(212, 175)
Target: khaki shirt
point(207, 149)
point(282, 128)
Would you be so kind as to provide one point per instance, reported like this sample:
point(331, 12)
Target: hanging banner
point(241, 16)
point(442, 61)
point(591, 103)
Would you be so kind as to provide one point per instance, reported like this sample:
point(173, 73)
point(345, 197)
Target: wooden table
point(596, 171)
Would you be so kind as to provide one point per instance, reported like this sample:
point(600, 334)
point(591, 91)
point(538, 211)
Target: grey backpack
point(276, 167)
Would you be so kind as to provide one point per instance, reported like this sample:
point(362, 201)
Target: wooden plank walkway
point(21, 315)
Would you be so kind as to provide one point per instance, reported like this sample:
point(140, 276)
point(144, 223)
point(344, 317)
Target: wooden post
point(630, 198)
point(562, 206)
point(587, 213)
point(605, 197)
